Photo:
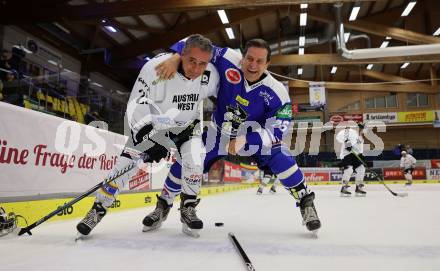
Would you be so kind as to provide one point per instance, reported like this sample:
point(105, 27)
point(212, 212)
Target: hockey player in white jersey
point(162, 114)
point(351, 154)
point(407, 164)
point(268, 175)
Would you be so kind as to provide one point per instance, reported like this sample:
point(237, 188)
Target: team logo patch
point(205, 78)
point(242, 100)
point(233, 76)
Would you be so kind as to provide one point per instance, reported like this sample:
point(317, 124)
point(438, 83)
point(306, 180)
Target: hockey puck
point(218, 224)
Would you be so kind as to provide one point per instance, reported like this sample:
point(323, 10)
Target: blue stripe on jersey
point(176, 170)
point(172, 186)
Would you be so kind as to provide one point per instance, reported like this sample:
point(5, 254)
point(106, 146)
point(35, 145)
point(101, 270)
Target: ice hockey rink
point(377, 232)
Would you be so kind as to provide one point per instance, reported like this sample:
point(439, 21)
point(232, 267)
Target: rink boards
point(36, 209)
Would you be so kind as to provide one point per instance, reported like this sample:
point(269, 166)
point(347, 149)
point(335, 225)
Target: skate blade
point(360, 195)
point(190, 232)
point(147, 228)
point(315, 234)
point(5, 234)
point(81, 237)
point(345, 195)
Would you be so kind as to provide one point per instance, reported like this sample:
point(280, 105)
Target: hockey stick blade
point(240, 250)
point(24, 230)
point(402, 195)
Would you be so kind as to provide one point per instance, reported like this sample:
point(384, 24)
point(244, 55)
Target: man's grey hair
point(198, 41)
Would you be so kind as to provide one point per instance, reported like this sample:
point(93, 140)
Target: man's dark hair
point(258, 43)
point(198, 41)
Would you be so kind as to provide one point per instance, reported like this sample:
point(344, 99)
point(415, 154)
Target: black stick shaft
point(70, 203)
point(243, 254)
point(59, 209)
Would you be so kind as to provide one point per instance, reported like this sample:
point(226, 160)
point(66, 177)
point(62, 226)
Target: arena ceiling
point(129, 31)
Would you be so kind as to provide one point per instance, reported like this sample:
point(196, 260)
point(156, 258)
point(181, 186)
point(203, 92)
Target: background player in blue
point(249, 95)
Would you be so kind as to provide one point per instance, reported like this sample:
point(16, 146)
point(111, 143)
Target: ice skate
point(344, 191)
point(90, 221)
point(273, 189)
point(360, 192)
point(154, 220)
point(191, 224)
point(408, 183)
point(308, 212)
point(8, 223)
point(260, 191)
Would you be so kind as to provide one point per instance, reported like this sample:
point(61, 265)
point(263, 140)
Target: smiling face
point(194, 62)
point(254, 63)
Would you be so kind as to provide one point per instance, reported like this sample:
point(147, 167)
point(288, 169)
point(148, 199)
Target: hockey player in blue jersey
point(253, 111)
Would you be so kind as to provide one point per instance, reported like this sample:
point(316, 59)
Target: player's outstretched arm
point(168, 68)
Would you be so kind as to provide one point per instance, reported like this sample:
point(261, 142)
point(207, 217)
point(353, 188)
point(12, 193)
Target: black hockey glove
point(235, 116)
point(154, 154)
point(185, 135)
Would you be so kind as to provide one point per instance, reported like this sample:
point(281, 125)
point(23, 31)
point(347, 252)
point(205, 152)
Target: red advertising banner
point(294, 108)
point(232, 172)
point(317, 176)
point(337, 118)
point(141, 181)
point(435, 163)
point(397, 174)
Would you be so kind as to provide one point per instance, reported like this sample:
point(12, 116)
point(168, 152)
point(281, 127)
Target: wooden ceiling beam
point(12, 13)
point(144, 27)
point(204, 25)
point(369, 26)
point(335, 59)
point(407, 88)
point(390, 78)
point(123, 30)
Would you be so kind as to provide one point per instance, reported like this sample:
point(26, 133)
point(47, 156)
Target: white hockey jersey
point(350, 138)
point(408, 161)
point(168, 103)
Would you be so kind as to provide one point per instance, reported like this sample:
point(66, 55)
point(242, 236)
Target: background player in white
point(162, 114)
point(407, 163)
point(351, 154)
point(267, 175)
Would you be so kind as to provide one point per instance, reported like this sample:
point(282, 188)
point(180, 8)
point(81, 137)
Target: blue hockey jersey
point(266, 102)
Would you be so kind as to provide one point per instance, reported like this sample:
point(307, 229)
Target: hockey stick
point(380, 179)
point(243, 255)
point(75, 200)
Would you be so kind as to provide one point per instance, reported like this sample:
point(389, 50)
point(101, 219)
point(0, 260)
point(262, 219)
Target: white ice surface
point(378, 232)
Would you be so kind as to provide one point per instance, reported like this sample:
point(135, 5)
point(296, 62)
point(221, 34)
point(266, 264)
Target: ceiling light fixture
point(230, 33)
point(354, 13)
point(408, 8)
point(223, 16)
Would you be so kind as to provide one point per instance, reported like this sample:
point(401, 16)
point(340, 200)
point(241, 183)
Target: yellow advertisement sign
point(415, 116)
